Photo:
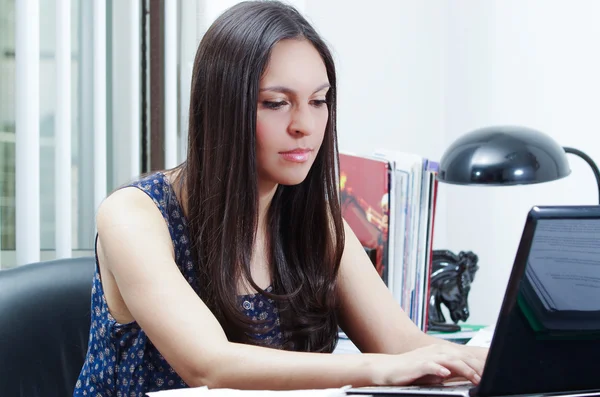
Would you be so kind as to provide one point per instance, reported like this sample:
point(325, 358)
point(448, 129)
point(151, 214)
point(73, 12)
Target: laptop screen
point(547, 337)
point(560, 291)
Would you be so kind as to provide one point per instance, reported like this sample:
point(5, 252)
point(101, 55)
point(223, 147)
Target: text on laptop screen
point(560, 290)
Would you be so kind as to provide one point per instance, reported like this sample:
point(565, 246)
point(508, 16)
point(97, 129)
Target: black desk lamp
point(492, 156)
point(507, 155)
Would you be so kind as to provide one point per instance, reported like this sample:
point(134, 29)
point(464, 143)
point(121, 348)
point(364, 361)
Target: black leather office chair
point(44, 326)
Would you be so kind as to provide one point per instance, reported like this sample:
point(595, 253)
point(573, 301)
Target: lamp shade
point(503, 155)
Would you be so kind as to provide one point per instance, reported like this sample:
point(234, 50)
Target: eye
point(318, 103)
point(274, 105)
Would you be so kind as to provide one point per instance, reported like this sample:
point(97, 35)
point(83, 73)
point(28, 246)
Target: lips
point(297, 155)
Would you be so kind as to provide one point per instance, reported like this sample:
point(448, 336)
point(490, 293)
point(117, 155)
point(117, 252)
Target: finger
point(460, 368)
point(429, 380)
point(469, 356)
point(433, 368)
point(453, 379)
point(474, 362)
point(479, 352)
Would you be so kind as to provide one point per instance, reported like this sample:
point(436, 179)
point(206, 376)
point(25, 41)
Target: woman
point(236, 268)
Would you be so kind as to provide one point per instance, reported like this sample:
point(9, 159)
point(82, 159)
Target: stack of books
point(389, 199)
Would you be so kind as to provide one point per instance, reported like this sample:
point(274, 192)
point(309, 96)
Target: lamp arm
point(588, 160)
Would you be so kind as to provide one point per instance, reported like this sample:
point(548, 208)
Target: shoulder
point(125, 202)
point(142, 195)
point(140, 204)
point(130, 225)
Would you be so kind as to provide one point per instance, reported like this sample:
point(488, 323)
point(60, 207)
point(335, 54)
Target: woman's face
point(292, 113)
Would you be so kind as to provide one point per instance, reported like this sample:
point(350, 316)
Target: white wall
point(533, 63)
point(389, 58)
point(415, 76)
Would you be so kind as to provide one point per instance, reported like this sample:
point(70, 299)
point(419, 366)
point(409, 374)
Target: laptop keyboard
point(449, 389)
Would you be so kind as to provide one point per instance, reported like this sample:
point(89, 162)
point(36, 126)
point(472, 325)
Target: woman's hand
point(477, 351)
point(430, 364)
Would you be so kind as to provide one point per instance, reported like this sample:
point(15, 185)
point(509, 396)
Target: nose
point(302, 121)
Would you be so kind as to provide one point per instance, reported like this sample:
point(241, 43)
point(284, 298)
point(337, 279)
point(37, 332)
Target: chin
point(291, 179)
point(283, 174)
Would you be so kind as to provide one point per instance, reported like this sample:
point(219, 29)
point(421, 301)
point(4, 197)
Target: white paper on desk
point(483, 337)
point(204, 391)
point(191, 392)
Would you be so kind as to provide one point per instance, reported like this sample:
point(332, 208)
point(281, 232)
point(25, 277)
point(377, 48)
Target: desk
point(481, 336)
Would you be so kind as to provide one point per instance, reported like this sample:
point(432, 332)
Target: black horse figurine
point(451, 278)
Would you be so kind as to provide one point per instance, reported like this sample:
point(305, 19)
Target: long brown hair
point(304, 222)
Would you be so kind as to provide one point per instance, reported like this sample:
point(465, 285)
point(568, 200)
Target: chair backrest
point(44, 326)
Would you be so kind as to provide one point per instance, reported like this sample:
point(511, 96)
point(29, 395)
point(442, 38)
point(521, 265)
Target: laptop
point(547, 337)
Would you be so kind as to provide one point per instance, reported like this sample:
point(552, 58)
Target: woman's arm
point(135, 247)
point(369, 314)
point(135, 250)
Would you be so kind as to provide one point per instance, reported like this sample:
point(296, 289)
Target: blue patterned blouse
point(121, 361)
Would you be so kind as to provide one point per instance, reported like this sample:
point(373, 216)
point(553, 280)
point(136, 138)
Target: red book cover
point(365, 198)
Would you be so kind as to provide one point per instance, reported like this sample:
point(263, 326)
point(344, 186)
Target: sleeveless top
point(121, 361)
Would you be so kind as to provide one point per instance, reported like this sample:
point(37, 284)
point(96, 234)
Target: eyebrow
point(287, 90)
